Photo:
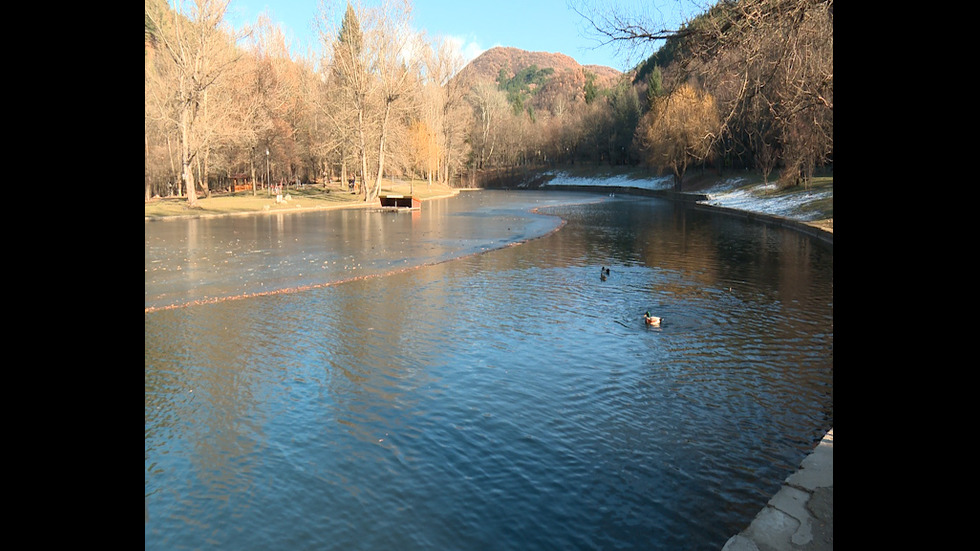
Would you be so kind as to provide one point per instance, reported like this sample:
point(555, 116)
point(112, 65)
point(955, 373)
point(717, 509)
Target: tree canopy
point(748, 83)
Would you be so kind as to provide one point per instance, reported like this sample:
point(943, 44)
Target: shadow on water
point(508, 399)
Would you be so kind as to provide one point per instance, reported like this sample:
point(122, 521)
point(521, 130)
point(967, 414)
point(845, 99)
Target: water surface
point(365, 380)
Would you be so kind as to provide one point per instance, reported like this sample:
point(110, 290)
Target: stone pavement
point(800, 517)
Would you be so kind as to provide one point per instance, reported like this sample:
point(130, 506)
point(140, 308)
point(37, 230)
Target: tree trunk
point(363, 149)
point(186, 161)
point(174, 177)
point(146, 164)
point(205, 185)
point(444, 172)
point(343, 172)
point(381, 152)
point(679, 170)
point(251, 165)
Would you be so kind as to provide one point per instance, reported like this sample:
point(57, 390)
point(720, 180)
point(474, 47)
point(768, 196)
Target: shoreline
point(442, 193)
point(800, 515)
point(817, 228)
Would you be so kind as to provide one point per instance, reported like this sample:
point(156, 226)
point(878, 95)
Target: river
point(461, 377)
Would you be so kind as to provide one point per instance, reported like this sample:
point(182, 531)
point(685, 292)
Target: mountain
point(489, 63)
point(566, 82)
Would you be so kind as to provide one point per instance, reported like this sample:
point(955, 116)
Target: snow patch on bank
point(760, 199)
point(619, 180)
point(730, 193)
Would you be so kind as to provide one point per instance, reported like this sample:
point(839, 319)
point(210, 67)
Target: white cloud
point(469, 49)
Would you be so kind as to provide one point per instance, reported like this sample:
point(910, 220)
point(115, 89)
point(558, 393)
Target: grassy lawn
point(294, 199)
point(824, 206)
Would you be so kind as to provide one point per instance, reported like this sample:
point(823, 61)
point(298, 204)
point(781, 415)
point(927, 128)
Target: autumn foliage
point(749, 84)
point(679, 130)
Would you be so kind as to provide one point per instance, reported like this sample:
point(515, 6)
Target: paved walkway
point(800, 517)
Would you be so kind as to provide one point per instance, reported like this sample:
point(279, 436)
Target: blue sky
point(534, 25)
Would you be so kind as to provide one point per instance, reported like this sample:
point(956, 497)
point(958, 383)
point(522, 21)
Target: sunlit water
point(360, 380)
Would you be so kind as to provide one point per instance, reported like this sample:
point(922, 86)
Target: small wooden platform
point(400, 202)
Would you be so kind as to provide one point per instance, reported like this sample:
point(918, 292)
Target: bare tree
point(200, 49)
point(249, 121)
point(427, 138)
point(767, 63)
point(425, 143)
point(456, 113)
point(158, 134)
point(160, 109)
point(489, 109)
point(335, 139)
point(281, 101)
point(350, 82)
point(394, 52)
point(771, 65)
point(680, 130)
point(634, 32)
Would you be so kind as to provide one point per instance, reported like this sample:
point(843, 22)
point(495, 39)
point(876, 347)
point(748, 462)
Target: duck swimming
point(652, 320)
point(603, 272)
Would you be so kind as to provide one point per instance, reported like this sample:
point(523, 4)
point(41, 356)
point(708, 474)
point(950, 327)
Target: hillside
point(567, 82)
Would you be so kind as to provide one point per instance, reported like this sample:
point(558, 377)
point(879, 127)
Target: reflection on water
point(510, 399)
point(209, 259)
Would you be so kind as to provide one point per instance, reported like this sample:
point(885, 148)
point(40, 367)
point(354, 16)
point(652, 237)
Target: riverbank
point(737, 192)
point(293, 199)
point(800, 516)
point(733, 191)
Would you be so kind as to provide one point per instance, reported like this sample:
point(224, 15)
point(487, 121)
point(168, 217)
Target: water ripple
point(508, 399)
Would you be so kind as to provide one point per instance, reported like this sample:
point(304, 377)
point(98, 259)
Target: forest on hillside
point(746, 84)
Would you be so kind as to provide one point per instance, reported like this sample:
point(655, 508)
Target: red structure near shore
point(400, 202)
